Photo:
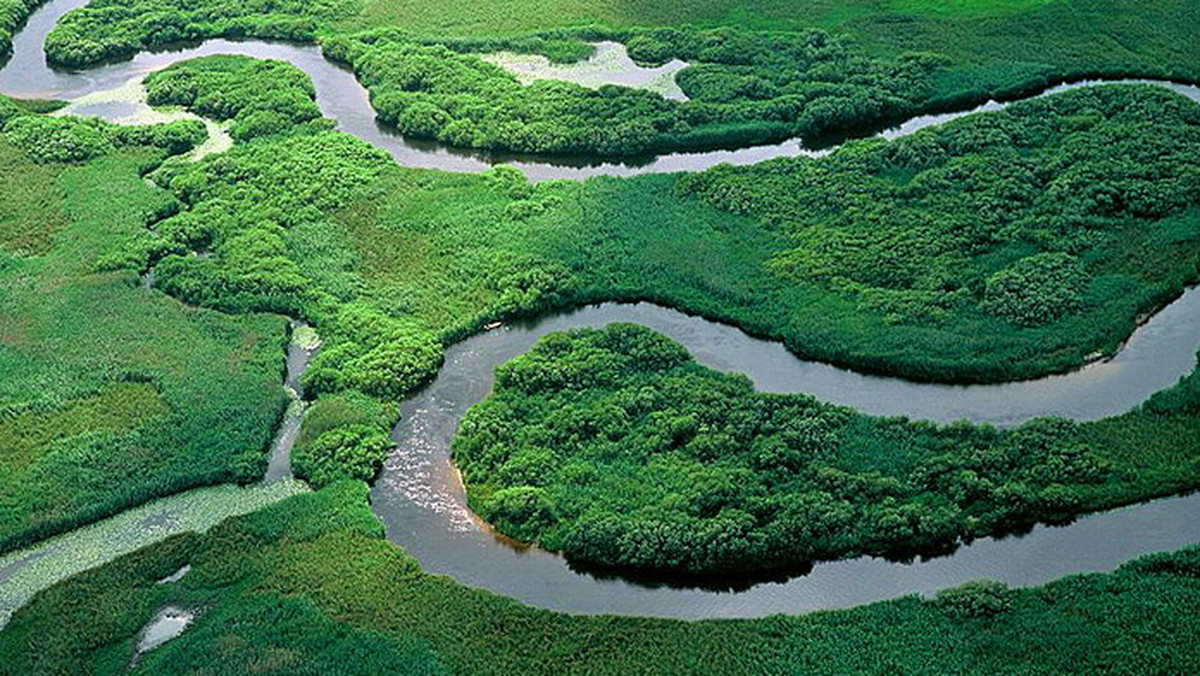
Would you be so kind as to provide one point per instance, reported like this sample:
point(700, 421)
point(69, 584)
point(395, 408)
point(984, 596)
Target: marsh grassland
point(155, 267)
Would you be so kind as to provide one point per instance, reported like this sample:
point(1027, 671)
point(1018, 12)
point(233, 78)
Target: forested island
point(614, 447)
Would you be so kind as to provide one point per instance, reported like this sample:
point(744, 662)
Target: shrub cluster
point(12, 15)
point(241, 205)
point(262, 97)
point(111, 29)
point(613, 447)
point(68, 139)
point(745, 87)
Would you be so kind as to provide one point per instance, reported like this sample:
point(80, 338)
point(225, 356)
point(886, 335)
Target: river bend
point(420, 499)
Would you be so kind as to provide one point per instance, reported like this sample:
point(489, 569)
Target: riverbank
point(308, 584)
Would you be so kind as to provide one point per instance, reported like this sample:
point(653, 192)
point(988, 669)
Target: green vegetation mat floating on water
point(617, 449)
point(25, 572)
point(309, 586)
point(111, 394)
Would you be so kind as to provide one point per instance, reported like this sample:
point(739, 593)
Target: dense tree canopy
point(261, 97)
point(614, 447)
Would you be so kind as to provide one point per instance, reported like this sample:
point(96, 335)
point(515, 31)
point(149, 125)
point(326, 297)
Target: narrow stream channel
point(419, 497)
point(302, 347)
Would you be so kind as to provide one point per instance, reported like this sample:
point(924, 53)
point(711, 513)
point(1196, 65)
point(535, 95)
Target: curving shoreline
point(419, 498)
point(341, 98)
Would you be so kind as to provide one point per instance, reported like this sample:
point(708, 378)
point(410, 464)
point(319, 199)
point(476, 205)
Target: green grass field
point(110, 393)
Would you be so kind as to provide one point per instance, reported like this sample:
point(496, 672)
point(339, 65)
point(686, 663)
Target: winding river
point(342, 98)
point(420, 499)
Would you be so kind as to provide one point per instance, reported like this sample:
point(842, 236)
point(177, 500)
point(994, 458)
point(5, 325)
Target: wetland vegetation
point(614, 447)
point(145, 300)
point(111, 394)
point(749, 82)
point(309, 586)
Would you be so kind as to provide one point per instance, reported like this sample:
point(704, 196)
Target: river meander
point(420, 499)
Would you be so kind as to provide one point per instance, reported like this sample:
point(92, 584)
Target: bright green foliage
point(374, 353)
point(1036, 290)
point(391, 263)
point(349, 452)
point(615, 448)
point(108, 29)
point(13, 108)
point(64, 139)
point(261, 211)
point(522, 512)
point(344, 435)
point(242, 206)
point(877, 257)
point(12, 15)
point(49, 139)
point(992, 46)
point(334, 411)
point(274, 633)
point(111, 394)
point(308, 586)
point(1074, 213)
point(744, 87)
point(261, 97)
